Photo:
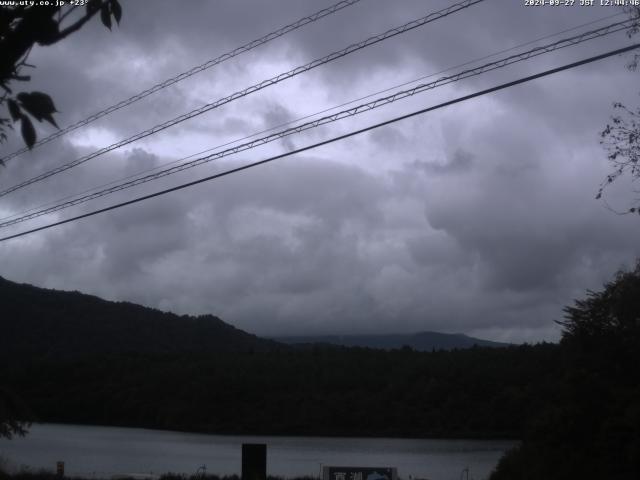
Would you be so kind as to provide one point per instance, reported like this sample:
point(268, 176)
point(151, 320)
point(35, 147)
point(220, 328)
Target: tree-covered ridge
point(478, 392)
point(589, 428)
point(77, 358)
point(37, 321)
point(575, 405)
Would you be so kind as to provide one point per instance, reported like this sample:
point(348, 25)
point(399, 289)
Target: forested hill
point(75, 358)
point(38, 321)
point(423, 341)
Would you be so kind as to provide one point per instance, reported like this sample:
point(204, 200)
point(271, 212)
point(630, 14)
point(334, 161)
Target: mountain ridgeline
point(422, 342)
point(66, 324)
point(37, 321)
point(75, 358)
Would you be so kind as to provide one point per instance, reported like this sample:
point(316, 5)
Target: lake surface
point(104, 451)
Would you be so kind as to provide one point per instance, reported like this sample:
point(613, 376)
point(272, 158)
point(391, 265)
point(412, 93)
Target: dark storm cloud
point(477, 218)
point(269, 238)
point(525, 215)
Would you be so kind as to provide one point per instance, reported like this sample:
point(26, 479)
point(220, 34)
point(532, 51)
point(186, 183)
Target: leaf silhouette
point(14, 109)
point(105, 15)
point(39, 105)
point(116, 9)
point(28, 132)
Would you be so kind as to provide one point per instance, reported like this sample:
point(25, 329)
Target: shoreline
point(355, 436)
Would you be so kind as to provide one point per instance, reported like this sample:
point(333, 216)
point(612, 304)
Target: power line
point(331, 140)
point(344, 104)
point(379, 102)
point(189, 73)
point(252, 89)
point(290, 122)
point(275, 127)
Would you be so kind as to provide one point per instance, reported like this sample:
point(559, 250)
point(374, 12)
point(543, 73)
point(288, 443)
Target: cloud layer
point(479, 218)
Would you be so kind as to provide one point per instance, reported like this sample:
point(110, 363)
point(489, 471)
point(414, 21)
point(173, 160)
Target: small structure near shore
point(254, 461)
point(359, 473)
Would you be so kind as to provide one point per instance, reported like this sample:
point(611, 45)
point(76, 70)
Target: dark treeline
point(479, 392)
point(77, 358)
point(589, 427)
point(575, 406)
point(37, 322)
point(45, 475)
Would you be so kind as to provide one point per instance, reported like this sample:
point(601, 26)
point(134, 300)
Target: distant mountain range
point(423, 341)
point(38, 321)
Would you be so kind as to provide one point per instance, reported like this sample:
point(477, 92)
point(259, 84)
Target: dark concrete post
point(254, 461)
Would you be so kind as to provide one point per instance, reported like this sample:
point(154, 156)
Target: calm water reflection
point(105, 451)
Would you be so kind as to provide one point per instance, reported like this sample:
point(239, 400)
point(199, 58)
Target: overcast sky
point(478, 218)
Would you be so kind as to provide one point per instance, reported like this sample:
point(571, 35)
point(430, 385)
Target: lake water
point(104, 451)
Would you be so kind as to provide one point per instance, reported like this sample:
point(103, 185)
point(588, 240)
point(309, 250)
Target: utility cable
point(252, 89)
point(189, 73)
point(331, 140)
point(379, 102)
point(299, 119)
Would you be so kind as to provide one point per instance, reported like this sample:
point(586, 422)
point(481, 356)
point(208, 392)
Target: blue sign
point(359, 473)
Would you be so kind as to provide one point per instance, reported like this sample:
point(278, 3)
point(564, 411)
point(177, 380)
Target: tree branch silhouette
point(22, 27)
